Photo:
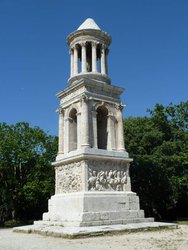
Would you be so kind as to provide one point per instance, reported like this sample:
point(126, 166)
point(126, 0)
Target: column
point(120, 131)
point(103, 66)
point(79, 128)
point(66, 132)
point(72, 63)
point(85, 123)
point(111, 132)
point(94, 121)
point(94, 56)
point(75, 60)
point(61, 131)
point(83, 57)
point(106, 61)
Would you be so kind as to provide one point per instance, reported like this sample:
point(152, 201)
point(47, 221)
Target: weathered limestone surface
point(69, 178)
point(93, 188)
point(95, 209)
point(57, 230)
point(92, 185)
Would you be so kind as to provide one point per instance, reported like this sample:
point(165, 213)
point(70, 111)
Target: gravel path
point(164, 240)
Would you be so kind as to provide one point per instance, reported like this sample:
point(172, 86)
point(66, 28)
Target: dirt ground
point(170, 239)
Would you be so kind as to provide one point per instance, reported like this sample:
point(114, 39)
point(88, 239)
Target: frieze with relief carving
point(110, 176)
point(69, 178)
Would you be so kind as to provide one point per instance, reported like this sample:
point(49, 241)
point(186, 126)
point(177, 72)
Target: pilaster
point(120, 131)
point(79, 128)
point(61, 131)
point(85, 122)
point(94, 122)
point(111, 132)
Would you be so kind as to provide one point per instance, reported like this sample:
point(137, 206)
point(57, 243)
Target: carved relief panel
point(108, 176)
point(69, 178)
point(93, 175)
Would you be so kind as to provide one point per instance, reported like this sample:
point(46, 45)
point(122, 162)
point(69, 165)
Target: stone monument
point(92, 182)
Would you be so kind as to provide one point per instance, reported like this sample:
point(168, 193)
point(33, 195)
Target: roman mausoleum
point(92, 182)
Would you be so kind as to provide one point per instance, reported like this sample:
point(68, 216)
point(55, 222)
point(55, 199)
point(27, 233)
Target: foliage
point(26, 175)
point(159, 146)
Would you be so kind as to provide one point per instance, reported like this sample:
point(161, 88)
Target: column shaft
point(111, 133)
point(85, 123)
point(94, 57)
point(79, 130)
point(120, 131)
point(66, 132)
point(83, 57)
point(106, 61)
point(94, 120)
point(109, 138)
point(61, 133)
point(72, 62)
point(75, 61)
point(103, 66)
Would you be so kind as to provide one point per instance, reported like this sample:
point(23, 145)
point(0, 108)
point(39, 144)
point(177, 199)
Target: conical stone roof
point(89, 23)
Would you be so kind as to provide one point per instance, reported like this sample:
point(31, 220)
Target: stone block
point(93, 208)
point(134, 206)
point(140, 213)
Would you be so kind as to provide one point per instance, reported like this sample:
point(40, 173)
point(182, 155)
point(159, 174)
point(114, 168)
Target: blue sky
point(148, 55)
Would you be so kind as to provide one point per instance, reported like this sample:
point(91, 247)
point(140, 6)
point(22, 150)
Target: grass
point(182, 222)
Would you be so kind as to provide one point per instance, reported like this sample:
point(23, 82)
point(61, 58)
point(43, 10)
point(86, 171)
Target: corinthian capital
point(71, 51)
point(120, 106)
point(60, 110)
point(94, 44)
point(103, 46)
point(84, 98)
point(83, 44)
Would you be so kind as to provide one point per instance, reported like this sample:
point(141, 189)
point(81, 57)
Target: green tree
point(26, 174)
point(159, 146)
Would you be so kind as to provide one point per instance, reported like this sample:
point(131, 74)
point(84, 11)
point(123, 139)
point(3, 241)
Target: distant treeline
point(159, 146)
point(159, 173)
point(26, 174)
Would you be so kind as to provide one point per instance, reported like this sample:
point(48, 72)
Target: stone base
point(75, 232)
point(94, 209)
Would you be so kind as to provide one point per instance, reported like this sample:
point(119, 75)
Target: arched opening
point(73, 130)
point(102, 115)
